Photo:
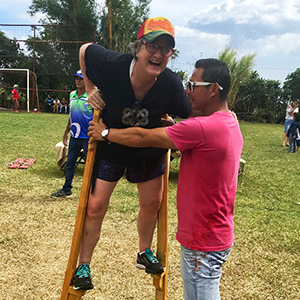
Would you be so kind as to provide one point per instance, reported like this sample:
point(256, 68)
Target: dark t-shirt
point(109, 71)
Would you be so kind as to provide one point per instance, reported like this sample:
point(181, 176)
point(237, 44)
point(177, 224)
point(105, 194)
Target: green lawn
point(36, 231)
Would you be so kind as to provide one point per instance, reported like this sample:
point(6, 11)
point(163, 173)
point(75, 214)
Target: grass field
point(36, 230)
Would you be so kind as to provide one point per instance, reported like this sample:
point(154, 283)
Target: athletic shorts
point(109, 171)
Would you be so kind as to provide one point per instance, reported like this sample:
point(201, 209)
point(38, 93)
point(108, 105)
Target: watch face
point(104, 133)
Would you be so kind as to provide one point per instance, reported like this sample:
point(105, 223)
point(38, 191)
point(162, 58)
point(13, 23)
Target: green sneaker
point(82, 279)
point(61, 194)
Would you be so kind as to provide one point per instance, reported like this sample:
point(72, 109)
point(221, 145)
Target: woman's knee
point(96, 208)
point(151, 206)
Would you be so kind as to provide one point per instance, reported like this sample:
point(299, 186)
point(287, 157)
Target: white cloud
point(243, 12)
point(32, 20)
point(188, 35)
point(287, 44)
point(193, 45)
point(177, 11)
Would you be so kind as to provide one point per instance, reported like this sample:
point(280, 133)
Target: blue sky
point(269, 28)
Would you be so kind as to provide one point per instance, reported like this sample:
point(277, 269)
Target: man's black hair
point(215, 70)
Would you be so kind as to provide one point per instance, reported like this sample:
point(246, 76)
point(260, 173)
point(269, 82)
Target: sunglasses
point(153, 48)
point(192, 84)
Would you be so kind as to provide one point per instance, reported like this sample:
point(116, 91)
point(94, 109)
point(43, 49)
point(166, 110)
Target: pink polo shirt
point(211, 148)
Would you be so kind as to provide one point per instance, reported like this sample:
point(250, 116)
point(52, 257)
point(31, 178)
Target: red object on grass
point(21, 163)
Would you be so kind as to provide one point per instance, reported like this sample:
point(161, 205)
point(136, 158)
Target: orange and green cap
point(154, 27)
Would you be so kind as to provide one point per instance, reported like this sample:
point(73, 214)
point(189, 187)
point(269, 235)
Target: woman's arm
point(94, 96)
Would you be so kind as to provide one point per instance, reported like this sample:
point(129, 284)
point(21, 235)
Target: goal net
point(21, 77)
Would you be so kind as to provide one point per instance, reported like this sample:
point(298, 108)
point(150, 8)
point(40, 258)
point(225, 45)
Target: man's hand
point(65, 139)
point(95, 130)
point(167, 122)
point(95, 100)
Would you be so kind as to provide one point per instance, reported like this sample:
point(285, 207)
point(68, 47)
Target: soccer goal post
point(27, 80)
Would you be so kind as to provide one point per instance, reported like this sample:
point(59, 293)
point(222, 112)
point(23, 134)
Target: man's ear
point(215, 89)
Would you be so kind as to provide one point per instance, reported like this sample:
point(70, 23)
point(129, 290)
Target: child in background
point(292, 133)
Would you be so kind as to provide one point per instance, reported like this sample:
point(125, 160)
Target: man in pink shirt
point(211, 146)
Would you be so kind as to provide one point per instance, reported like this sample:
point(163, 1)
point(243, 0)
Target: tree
point(240, 71)
point(174, 56)
point(10, 52)
point(120, 22)
point(291, 86)
point(11, 56)
point(182, 74)
point(67, 20)
point(260, 99)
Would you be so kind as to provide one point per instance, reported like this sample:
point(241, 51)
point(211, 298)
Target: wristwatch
point(105, 133)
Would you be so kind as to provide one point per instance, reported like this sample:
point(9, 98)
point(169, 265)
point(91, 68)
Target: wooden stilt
point(68, 292)
point(160, 281)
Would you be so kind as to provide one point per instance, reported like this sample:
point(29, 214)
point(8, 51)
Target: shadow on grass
point(173, 175)
point(55, 172)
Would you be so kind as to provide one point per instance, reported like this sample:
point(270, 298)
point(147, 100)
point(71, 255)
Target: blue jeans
point(75, 146)
point(201, 273)
point(61, 108)
point(287, 125)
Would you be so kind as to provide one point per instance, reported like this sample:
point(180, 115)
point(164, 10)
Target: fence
point(54, 73)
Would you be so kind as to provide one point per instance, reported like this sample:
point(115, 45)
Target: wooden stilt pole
point(161, 281)
point(68, 293)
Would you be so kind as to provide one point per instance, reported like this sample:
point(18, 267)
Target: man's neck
point(80, 92)
point(216, 106)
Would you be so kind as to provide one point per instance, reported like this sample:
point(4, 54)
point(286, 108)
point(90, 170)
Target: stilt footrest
point(75, 295)
point(158, 280)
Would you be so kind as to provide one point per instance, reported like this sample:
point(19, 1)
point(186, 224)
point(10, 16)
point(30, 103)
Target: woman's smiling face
point(154, 63)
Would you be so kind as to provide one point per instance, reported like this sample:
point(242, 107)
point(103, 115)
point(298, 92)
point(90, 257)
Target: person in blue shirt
point(81, 113)
point(292, 133)
point(48, 105)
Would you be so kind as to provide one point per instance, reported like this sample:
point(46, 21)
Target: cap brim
point(150, 37)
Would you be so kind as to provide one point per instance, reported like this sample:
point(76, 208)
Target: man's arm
point(94, 98)
point(133, 136)
point(66, 134)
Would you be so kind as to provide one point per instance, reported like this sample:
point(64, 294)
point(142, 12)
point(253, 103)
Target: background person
point(56, 105)
point(211, 147)
point(22, 101)
point(80, 115)
point(137, 89)
point(48, 104)
point(293, 132)
point(289, 112)
point(63, 105)
point(15, 98)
